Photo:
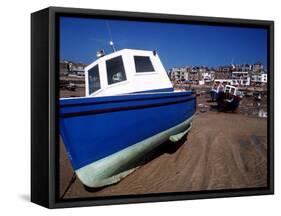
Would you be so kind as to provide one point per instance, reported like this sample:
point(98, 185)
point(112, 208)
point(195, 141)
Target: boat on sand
point(129, 109)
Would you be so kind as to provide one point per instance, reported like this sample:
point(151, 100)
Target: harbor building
point(69, 68)
point(241, 78)
point(179, 74)
point(259, 79)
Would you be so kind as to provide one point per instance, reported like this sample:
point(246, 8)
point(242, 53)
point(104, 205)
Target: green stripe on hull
point(113, 168)
point(177, 137)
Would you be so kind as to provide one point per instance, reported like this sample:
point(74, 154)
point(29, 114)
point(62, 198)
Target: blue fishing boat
point(218, 89)
point(228, 97)
point(129, 109)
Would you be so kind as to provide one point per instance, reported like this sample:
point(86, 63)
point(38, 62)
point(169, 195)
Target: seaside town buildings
point(69, 68)
point(234, 74)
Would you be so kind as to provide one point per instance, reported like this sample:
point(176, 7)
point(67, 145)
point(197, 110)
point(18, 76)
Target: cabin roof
point(118, 53)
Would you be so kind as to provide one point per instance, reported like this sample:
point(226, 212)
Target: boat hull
point(106, 136)
point(225, 101)
point(226, 104)
point(113, 168)
point(214, 95)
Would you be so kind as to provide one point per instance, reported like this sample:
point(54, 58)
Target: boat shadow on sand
point(221, 109)
point(167, 147)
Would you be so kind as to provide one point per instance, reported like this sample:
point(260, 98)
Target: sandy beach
point(222, 151)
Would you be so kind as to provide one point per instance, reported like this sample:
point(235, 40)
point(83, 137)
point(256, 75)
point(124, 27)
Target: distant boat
point(129, 109)
point(228, 97)
point(257, 96)
point(217, 87)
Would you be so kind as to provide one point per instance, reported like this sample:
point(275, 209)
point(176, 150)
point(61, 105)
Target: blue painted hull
point(95, 128)
point(214, 95)
point(228, 105)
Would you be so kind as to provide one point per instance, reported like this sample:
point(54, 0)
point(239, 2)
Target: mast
point(111, 43)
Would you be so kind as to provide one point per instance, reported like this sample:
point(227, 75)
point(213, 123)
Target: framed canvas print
point(138, 107)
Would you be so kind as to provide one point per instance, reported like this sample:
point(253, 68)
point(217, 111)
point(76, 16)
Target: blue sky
point(176, 44)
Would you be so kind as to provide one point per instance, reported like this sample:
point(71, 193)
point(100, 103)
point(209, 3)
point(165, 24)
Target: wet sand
point(222, 151)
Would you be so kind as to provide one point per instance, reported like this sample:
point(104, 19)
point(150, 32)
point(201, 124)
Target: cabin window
point(143, 64)
point(94, 79)
point(115, 70)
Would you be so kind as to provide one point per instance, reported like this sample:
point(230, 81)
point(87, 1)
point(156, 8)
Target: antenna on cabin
point(110, 35)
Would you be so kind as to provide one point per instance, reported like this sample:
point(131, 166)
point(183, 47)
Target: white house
point(264, 78)
point(241, 78)
point(179, 74)
point(259, 78)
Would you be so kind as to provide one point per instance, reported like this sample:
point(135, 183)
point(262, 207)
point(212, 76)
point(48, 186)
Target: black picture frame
point(44, 106)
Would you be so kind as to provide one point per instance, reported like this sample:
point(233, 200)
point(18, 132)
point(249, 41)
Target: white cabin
point(126, 71)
